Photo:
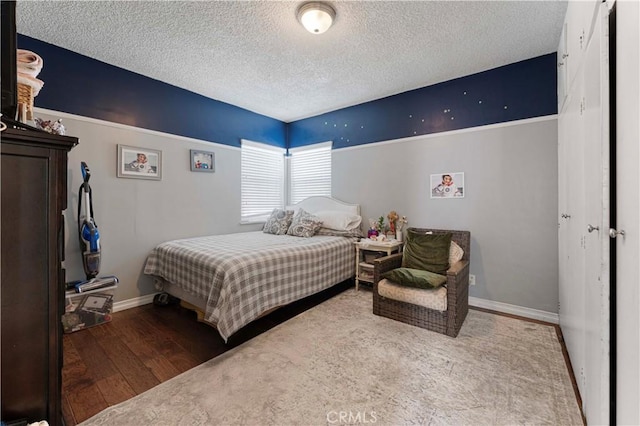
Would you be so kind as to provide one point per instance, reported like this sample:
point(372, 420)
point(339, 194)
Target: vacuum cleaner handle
point(86, 188)
point(86, 173)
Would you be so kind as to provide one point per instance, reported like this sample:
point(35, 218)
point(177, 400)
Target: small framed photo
point(139, 163)
point(447, 185)
point(203, 161)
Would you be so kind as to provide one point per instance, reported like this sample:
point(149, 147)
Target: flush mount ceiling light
point(316, 16)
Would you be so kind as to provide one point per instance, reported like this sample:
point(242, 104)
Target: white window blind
point(262, 183)
point(310, 171)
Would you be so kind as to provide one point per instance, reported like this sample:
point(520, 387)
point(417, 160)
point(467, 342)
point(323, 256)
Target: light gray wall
point(510, 203)
point(134, 215)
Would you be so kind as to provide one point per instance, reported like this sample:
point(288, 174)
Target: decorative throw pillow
point(455, 253)
point(304, 224)
point(279, 222)
point(428, 252)
point(415, 278)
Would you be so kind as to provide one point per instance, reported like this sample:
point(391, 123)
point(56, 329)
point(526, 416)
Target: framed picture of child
point(447, 185)
point(139, 163)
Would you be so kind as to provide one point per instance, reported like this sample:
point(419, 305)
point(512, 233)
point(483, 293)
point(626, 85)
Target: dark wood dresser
point(34, 194)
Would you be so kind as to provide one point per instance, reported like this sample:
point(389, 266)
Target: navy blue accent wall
point(80, 85)
point(517, 91)
point(77, 84)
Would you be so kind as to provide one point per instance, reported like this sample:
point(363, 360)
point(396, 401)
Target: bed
point(234, 279)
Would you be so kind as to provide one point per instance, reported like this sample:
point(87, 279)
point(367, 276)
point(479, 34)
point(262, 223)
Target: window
point(310, 171)
point(262, 180)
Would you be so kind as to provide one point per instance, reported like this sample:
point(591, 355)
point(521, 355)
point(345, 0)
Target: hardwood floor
point(145, 346)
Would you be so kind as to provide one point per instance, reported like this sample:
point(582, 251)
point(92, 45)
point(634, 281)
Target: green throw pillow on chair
point(427, 252)
point(415, 278)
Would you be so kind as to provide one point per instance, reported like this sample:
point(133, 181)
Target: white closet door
point(584, 195)
point(596, 244)
point(571, 230)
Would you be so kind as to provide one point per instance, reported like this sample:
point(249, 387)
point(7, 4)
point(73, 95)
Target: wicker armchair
point(448, 322)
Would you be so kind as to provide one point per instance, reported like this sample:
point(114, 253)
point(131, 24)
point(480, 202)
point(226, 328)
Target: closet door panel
point(596, 248)
point(572, 291)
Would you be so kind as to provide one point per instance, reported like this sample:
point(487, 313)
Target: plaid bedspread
point(243, 275)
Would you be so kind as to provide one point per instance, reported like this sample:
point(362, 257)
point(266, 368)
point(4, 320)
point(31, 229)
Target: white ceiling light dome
point(316, 17)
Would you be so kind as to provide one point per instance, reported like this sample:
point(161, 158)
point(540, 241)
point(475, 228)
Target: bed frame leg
point(198, 311)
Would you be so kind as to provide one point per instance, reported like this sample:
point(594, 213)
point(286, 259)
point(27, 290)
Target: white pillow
point(341, 221)
point(455, 253)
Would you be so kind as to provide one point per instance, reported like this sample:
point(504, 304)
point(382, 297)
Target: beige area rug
point(340, 364)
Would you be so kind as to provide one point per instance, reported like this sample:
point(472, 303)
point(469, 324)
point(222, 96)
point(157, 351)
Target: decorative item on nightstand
point(396, 223)
point(400, 224)
point(373, 229)
point(380, 226)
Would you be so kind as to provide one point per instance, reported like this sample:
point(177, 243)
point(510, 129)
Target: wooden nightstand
point(366, 252)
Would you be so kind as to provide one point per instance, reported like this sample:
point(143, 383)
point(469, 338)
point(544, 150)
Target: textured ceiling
point(256, 55)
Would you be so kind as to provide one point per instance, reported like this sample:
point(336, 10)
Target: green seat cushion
point(428, 252)
point(417, 278)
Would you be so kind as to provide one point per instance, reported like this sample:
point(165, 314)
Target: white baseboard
point(133, 303)
point(473, 301)
point(515, 310)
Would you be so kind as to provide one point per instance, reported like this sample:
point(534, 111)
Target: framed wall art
point(139, 163)
point(447, 185)
point(203, 161)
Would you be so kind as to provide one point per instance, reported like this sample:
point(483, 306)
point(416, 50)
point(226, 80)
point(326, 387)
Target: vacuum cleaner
point(89, 239)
